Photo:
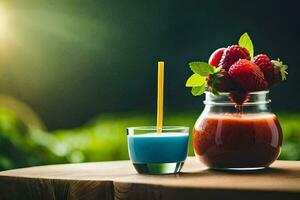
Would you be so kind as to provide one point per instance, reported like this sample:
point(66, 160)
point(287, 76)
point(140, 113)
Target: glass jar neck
point(225, 98)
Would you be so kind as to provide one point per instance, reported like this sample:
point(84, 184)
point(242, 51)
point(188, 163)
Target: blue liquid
point(154, 148)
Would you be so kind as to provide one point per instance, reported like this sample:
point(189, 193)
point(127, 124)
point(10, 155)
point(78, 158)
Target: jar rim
point(255, 92)
point(230, 103)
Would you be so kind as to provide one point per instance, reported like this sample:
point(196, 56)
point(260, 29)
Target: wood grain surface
point(118, 180)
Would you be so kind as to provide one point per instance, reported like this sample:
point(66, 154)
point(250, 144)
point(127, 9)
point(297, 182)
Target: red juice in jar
point(238, 141)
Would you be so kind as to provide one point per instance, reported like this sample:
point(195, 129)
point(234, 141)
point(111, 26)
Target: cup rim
point(154, 128)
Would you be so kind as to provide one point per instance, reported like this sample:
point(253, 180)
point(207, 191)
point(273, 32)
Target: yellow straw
point(160, 96)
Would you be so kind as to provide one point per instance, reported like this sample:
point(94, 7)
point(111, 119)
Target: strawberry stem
point(282, 68)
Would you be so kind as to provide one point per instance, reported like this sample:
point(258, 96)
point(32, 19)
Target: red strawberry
point(232, 54)
point(215, 57)
point(248, 76)
point(220, 81)
point(274, 71)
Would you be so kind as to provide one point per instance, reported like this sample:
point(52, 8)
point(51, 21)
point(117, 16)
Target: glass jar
point(231, 137)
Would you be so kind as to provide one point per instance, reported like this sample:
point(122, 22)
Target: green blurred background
point(75, 74)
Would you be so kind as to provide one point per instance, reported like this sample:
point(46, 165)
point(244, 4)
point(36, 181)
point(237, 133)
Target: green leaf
point(217, 70)
point(246, 42)
point(196, 91)
point(215, 80)
point(201, 68)
point(195, 81)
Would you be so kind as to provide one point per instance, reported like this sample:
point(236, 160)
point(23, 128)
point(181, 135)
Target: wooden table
point(118, 180)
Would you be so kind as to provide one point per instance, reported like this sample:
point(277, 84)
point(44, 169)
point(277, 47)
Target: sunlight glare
point(3, 21)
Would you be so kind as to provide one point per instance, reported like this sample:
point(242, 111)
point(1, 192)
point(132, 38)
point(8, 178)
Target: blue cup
point(158, 153)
